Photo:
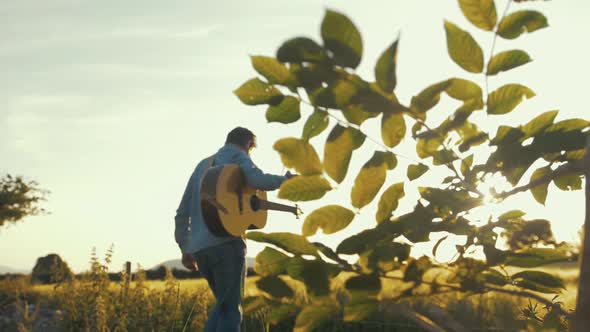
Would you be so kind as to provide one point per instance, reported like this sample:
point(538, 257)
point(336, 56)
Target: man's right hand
point(189, 262)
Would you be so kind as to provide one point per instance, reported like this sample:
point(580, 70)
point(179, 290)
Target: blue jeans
point(225, 270)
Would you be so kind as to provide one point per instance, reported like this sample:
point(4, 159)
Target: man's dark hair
point(240, 136)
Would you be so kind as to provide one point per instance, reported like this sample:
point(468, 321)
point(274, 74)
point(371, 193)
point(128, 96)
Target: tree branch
point(569, 168)
point(520, 293)
point(533, 296)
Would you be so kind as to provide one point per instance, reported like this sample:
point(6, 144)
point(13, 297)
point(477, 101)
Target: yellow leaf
point(304, 188)
point(298, 154)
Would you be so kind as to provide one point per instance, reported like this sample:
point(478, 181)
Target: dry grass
point(172, 303)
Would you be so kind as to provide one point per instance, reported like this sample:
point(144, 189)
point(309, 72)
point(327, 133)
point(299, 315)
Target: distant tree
point(51, 269)
point(19, 198)
point(521, 234)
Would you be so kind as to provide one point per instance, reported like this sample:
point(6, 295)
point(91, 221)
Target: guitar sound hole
point(255, 203)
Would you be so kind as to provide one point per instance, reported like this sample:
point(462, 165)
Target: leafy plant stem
point(357, 127)
point(569, 168)
point(494, 45)
point(531, 296)
point(450, 165)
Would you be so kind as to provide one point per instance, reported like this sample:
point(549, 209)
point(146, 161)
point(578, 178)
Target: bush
point(51, 269)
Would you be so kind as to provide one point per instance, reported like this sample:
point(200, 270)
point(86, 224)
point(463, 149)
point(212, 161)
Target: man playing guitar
point(220, 260)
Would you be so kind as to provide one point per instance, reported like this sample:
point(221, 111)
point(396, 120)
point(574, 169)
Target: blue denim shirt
point(190, 232)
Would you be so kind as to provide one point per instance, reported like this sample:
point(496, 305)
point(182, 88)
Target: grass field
point(177, 305)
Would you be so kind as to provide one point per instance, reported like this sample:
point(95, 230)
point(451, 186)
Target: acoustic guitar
point(230, 207)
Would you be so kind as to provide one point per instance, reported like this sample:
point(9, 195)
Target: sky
point(111, 104)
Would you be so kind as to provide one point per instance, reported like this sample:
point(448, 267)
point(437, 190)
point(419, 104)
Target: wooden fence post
point(127, 277)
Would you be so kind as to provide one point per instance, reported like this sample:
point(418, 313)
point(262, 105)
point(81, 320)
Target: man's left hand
point(189, 262)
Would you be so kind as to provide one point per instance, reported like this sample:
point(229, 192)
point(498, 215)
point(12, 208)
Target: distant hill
point(176, 264)
point(7, 269)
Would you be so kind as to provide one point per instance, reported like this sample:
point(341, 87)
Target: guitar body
point(229, 206)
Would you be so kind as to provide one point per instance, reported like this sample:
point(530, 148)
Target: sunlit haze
point(111, 104)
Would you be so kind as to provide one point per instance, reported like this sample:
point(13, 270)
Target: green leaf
point(449, 179)
point(540, 192)
point(416, 170)
point(274, 286)
point(541, 278)
point(569, 182)
point(389, 201)
point(535, 286)
point(443, 157)
point(481, 13)
point(298, 154)
point(304, 188)
point(287, 111)
point(329, 252)
point(506, 98)
point(344, 90)
point(393, 128)
point(314, 316)
point(322, 97)
point(507, 135)
point(356, 114)
point(311, 75)
point(575, 155)
point(429, 97)
point(269, 67)
point(257, 92)
point(470, 136)
point(463, 49)
point(568, 125)
point(301, 49)
point(384, 256)
point(316, 274)
point(315, 124)
point(507, 60)
point(466, 164)
point(539, 124)
point(470, 106)
point(342, 38)
point(270, 262)
point(330, 218)
point(464, 90)
point(367, 239)
point(417, 225)
point(513, 214)
point(534, 257)
point(373, 101)
point(385, 68)
point(449, 200)
point(370, 179)
point(290, 242)
point(368, 284)
point(494, 277)
point(337, 152)
point(426, 147)
point(358, 137)
point(522, 21)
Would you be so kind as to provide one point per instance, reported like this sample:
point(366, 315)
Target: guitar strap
point(210, 163)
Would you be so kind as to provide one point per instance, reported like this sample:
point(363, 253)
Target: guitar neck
point(266, 205)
